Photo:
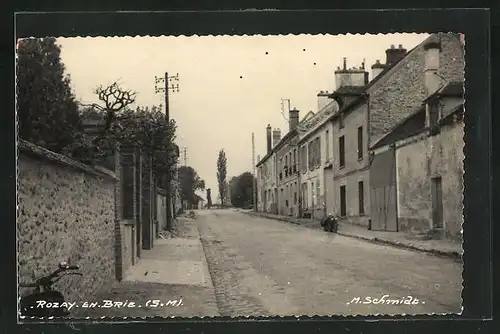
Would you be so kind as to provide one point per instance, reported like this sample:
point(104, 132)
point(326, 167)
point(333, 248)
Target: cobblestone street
point(265, 267)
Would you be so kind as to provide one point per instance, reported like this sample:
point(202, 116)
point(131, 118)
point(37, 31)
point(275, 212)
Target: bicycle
point(43, 292)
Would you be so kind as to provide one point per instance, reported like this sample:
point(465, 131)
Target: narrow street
point(266, 267)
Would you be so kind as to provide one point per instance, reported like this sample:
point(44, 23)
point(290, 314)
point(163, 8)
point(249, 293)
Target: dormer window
point(434, 110)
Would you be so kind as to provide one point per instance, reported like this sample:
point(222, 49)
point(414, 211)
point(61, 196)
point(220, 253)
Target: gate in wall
point(383, 193)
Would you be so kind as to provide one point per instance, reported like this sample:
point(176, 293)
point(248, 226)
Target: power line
point(174, 88)
point(254, 183)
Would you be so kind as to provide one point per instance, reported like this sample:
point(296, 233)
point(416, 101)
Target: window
point(280, 166)
point(295, 193)
point(327, 145)
point(434, 117)
point(342, 152)
point(319, 151)
point(361, 197)
point(310, 155)
point(343, 212)
point(360, 142)
point(317, 142)
point(318, 193)
point(287, 193)
point(304, 162)
point(294, 161)
point(304, 196)
point(313, 195)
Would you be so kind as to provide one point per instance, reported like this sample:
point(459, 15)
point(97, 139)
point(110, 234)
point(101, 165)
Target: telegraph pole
point(283, 107)
point(168, 187)
point(254, 188)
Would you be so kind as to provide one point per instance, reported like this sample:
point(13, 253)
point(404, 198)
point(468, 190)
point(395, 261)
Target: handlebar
point(47, 280)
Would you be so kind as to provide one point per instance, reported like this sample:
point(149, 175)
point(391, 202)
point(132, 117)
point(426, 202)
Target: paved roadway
point(265, 267)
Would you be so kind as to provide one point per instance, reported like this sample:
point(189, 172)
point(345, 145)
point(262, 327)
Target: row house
point(368, 110)
point(277, 171)
point(286, 153)
point(339, 170)
point(267, 191)
point(420, 161)
point(316, 160)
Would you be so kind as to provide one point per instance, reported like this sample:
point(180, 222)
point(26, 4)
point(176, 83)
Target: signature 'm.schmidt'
point(385, 299)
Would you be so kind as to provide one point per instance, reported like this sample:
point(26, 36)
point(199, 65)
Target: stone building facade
point(370, 111)
point(428, 171)
point(426, 149)
point(364, 184)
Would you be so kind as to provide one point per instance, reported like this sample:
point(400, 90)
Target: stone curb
point(450, 254)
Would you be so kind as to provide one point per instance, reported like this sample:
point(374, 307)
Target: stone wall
point(441, 155)
point(447, 161)
point(129, 243)
point(413, 182)
point(396, 94)
point(66, 212)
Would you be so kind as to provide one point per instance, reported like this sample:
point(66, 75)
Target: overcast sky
point(229, 86)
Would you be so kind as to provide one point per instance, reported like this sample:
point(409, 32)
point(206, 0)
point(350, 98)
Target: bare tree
point(115, 99)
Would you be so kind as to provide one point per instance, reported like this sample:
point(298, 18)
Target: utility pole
point(168, 186)
point(254, 188)
point(184, 152)
point(283, 107)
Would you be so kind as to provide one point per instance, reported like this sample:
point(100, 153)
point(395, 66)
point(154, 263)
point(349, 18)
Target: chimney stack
point(351, 77)
point(432, 49)
point(293, 119)
point(393, 55)
point(276, 136)
point(323, 99)
point(268, 132)
point(377, 68)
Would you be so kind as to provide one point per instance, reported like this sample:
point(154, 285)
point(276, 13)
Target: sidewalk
point(398, 239)
point(174, 269)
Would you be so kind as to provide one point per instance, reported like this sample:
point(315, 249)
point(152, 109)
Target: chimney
point(377, 68)
point(276, 136)
point(323, 99)
point(293, 119)
point(393, 55)
point(351, 77)
point(432, 49)
point(268, 131)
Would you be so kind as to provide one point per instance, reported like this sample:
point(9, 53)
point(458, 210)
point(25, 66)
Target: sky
point(229, 86)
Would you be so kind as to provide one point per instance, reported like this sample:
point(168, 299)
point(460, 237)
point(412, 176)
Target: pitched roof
point(415, 124)
point(457, 113)
point(348, 90)
point(278, 145)
point(452, 88)
point(361, 91)
point(307, 116)
point(410, 126)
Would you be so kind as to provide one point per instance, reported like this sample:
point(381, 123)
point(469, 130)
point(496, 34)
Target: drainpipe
point(396, 200)
point(299, 183)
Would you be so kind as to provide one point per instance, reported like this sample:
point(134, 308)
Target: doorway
point(437, 202)
point(343, 210)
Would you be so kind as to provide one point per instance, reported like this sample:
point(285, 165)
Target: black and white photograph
point(240, 176)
